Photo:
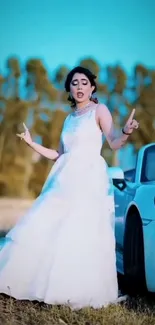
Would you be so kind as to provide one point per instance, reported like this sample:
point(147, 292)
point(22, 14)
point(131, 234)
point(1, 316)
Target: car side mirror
point(117, 176)
point(116, 173)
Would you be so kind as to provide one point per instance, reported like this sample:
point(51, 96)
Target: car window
point(148, 166)
point(130, 175)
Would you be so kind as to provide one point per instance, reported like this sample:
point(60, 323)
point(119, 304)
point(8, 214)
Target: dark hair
point(88, 74)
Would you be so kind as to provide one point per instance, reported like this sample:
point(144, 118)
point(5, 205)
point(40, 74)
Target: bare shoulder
point(101, 111)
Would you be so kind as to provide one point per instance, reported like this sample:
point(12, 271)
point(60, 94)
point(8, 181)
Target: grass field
point(135, 311)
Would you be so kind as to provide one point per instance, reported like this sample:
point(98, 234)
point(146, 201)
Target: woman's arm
point(45, 152)
point(60, 150)
point(105, 122)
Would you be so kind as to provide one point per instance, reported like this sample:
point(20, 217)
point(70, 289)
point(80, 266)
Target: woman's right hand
point(25, 135)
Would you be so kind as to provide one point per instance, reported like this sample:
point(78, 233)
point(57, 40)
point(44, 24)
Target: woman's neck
point(83, 104)
point(83, 109)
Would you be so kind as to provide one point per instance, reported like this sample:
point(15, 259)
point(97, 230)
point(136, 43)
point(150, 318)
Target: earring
point(71, 97)
point(90, 96)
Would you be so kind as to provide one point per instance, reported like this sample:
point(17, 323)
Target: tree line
point(30, 94)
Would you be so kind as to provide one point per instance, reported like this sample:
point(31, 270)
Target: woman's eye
point(74, 83)
point(85, 83)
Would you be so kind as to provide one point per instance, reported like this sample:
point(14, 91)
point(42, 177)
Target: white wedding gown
point(62, 251)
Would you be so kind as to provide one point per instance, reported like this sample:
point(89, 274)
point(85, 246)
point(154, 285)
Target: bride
point(62, 251)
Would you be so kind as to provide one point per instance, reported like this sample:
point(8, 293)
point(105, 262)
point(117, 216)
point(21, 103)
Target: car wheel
point(133, 255)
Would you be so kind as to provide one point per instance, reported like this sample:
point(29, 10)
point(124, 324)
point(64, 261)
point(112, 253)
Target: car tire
point(133, 255)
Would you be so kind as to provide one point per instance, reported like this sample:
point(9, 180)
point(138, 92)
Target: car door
point(122, 199)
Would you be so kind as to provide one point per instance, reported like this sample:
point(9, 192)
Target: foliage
point(29, 94)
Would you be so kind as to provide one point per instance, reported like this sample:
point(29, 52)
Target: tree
point(145, 106)
point(61, 74)
point(38, 83)
point(50, 133)
point(16, 158)
point(116, 84)
point(12, 163)
point(90, 64)
point(59, 80)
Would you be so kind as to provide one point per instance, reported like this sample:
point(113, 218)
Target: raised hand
point(131, 124)
point(25, 135)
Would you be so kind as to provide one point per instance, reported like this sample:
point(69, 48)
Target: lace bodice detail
point(81, 133)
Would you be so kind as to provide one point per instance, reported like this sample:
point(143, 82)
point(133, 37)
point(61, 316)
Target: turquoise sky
point(63, 32)
point(66, 31)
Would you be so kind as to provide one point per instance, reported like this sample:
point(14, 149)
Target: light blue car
point(134, 192)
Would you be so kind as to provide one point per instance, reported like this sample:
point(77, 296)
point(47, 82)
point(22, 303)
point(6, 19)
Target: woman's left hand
point(131, 123)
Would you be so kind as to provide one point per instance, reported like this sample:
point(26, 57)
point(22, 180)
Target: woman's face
point(80, 88)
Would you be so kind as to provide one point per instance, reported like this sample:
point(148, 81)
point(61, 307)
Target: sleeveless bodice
point(82, 134)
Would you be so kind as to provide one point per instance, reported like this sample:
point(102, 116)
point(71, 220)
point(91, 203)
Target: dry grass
point(133, 312)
